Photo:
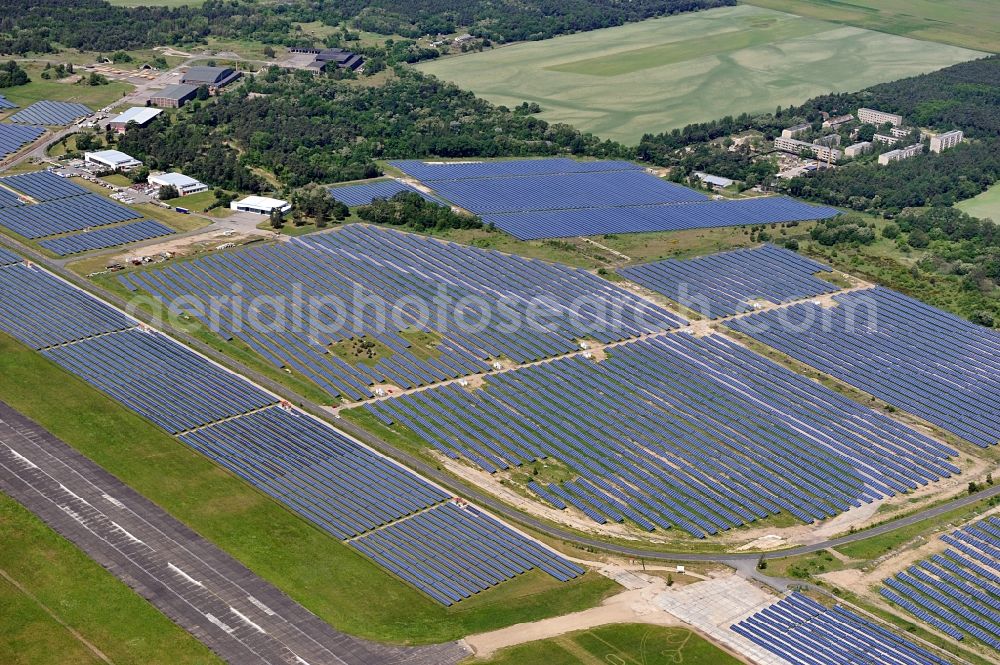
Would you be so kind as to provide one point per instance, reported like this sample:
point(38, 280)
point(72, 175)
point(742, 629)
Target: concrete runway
point(242, 618)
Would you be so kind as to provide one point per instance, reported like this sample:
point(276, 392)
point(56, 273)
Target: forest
point(42, 26)
point(308, 129)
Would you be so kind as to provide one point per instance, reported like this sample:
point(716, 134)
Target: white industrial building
point(112, 159)
point(901, 153)
point(715, 180)
point(262, 205)
point(140, 115)
point(946, 140)
point(795, 131)
point(874, 117)
point(185, 185)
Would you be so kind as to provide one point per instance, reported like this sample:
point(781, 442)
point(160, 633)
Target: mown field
point(339, 585)
point(59, 606)
point(664, 73)
point(970, 23)
point(626, 644)
point(94, 96)
point(984, 206)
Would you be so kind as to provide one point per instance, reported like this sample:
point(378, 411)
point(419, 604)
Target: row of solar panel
point(460, 170)
point(608, 189)
point(106, 237)
point(931, 363)
point(8, 257)
point(13, 138)
point(958, 591)
point(726, 283)
point(311, 468)
point(43, 185)
point(50, 113)
point(75, 213)
point(699, 433)
point(365, 193)
point(6, 104)
point(395, 267)
point(804, 632)
point(597, 220)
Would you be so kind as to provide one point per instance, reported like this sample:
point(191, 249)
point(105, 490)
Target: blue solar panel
point(697, 433)
point(562, 191)
point(430, 171)
point(64, 215)
point(13, 138)
point(597, 220)
point(397, 267)
point(957, 591)
point(803, 632)
point(50, 113)
point(724, 284)
point(43, 186)
point(911, 355)
point(107, 237)
point(6, 104)
point(365, 193)
point(7, 257)
point(9, 199)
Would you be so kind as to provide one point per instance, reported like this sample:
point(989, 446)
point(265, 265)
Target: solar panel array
point(8, 199)
point(107, 237)
point(431, 171)
point(911, 355)
point(13, 138)
point(803, 632)
point(536, 225)
point(8, 257)
point(560, 191)
point(698, 433)
point(724, 284)
point(365, 193)
point(42, 311)
point(314, 470)
point(433, 550)
point(957, 591)
point(50, 113)
point(6, 104)
point(43, 185)
point(398, 267)
point(75, 213)
point(553, 198)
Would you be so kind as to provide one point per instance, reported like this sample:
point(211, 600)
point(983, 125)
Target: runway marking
point(113, 501)
point(128, 535)
point(69, 511)
point(214, 619)
point(181, 573)
point(245, 619)
point(24, 460)
point(73, 494)
point(300, 659)
point(261, 606)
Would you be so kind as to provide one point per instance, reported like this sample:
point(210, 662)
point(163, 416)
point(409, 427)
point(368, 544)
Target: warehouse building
point(140, 115)
point(326, 56)
point(261, 205)
point(901, 153)
point(112, 159)
point(947, 140)
point(174, 97)
point(874, 117)
point(185, 185)
point(215, 78)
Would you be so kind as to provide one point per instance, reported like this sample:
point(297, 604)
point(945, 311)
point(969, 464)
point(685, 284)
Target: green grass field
point(984, 206)
point(969, 23)
point(625, 644)
point(622, 82)
point(94, 96)
point(41, 606)
point(339, 585)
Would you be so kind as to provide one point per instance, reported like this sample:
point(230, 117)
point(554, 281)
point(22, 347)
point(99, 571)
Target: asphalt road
point(238, 615)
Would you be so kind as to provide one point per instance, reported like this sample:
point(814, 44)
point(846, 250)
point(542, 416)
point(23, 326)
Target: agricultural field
point(984, 206)
point(958, 22)
point(94, 96)
point(690, 68)
point(627, 644)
